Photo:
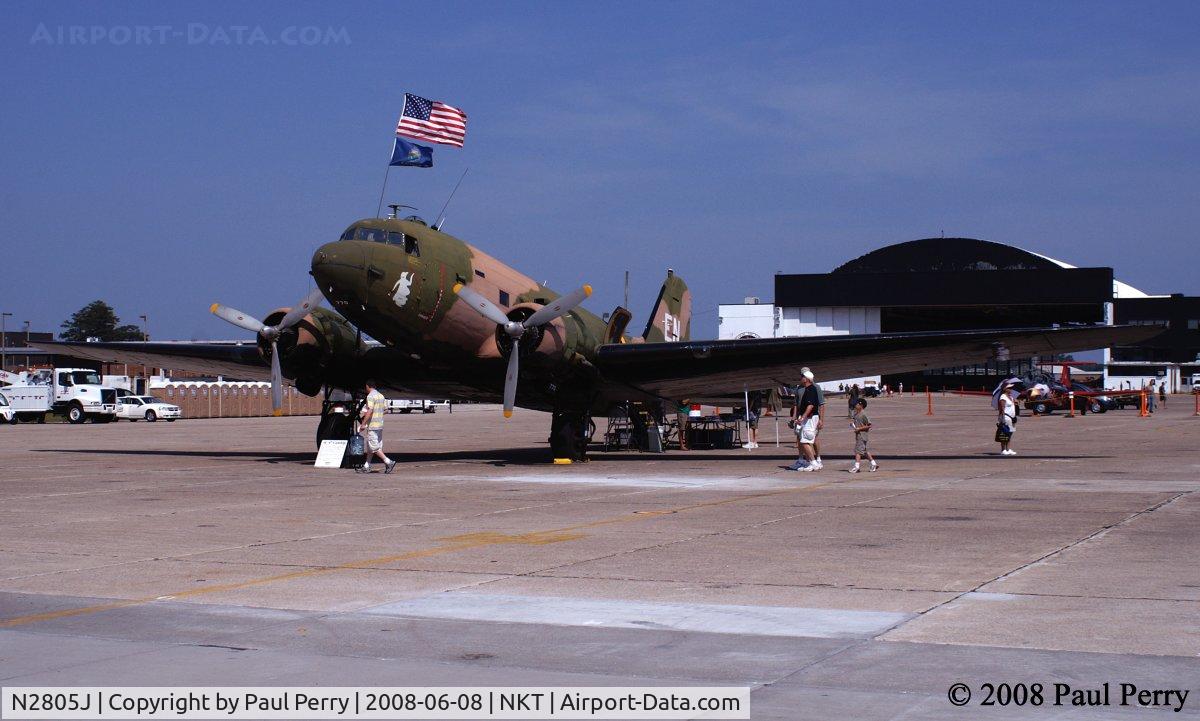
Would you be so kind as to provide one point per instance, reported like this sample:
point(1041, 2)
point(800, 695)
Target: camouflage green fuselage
point(395, 280)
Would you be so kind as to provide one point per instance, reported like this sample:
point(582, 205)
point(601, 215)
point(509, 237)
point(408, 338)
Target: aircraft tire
point(567, 436)
point(334, 427)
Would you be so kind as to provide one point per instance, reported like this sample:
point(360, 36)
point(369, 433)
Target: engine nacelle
point(317, 351)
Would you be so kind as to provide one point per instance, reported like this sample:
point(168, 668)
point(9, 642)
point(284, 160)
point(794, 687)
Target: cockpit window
point(349, 234)
point(411, 247)
point(395, 238)
point(372, 234)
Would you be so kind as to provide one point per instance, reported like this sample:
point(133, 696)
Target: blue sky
point(725, 140)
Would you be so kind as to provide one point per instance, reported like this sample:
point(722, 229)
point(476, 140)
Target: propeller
point(516, 328)
point(271, 333)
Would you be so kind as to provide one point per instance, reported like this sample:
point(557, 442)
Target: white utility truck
point(76, 392)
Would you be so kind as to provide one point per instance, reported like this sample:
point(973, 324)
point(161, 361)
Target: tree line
point(97, 320)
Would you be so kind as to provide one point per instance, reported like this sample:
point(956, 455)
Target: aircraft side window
point(411, 247)
point(504, 298)
point(349, 234)
point(395, 238)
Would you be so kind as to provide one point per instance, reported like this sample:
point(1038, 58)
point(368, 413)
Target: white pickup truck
point(408, 406)
point(77, 392)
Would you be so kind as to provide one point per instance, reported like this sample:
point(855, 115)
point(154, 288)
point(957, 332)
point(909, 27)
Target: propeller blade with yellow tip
point(237, 317)
point(510, 380)
point(558, 307)
point(482, 305)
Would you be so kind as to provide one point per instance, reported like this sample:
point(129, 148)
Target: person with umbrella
point(1006, 421)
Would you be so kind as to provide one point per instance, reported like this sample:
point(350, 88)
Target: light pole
point(145, 337)
point(3, 341)
point(26, 346)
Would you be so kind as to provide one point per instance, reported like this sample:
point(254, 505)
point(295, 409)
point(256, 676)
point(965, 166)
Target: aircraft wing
point(712, 368)
point(223, 358)
point(400, 375)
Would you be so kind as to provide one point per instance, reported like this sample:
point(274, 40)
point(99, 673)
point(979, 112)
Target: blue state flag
point(411, 154)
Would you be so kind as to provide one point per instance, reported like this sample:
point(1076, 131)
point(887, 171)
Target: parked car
point(1059, 399)
point(136, 408)
point(6, 412)
point(1128, 399)
point(1094, 403)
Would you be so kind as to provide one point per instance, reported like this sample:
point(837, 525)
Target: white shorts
point(374, 440)
point(807, 433)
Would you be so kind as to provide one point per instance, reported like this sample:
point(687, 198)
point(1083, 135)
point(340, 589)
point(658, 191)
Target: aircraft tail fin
point(671, 319)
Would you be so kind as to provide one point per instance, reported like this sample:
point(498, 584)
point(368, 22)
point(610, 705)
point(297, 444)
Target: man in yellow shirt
point(371, 421)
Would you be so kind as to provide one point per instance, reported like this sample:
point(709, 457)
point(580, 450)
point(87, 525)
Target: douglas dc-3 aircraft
point(454, 322)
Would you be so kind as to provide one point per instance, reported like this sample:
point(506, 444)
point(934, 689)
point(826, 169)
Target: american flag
point(433, 121)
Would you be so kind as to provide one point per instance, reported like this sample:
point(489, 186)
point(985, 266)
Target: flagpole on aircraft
point(379, 209)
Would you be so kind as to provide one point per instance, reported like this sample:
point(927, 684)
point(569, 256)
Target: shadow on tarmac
point(540, 456)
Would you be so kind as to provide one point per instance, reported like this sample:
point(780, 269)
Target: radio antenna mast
point(441, 216)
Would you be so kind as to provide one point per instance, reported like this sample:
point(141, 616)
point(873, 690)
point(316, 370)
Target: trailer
point(395, 405)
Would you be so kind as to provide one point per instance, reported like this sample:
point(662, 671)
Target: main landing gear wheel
point(569, 436)
point(334, 427)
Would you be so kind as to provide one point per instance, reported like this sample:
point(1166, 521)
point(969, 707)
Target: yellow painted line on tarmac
point(451, 544)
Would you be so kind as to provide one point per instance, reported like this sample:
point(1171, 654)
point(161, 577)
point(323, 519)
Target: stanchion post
point(1197, 397)
point(929, 399)
point(1071, 397)
point(1144, 412)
